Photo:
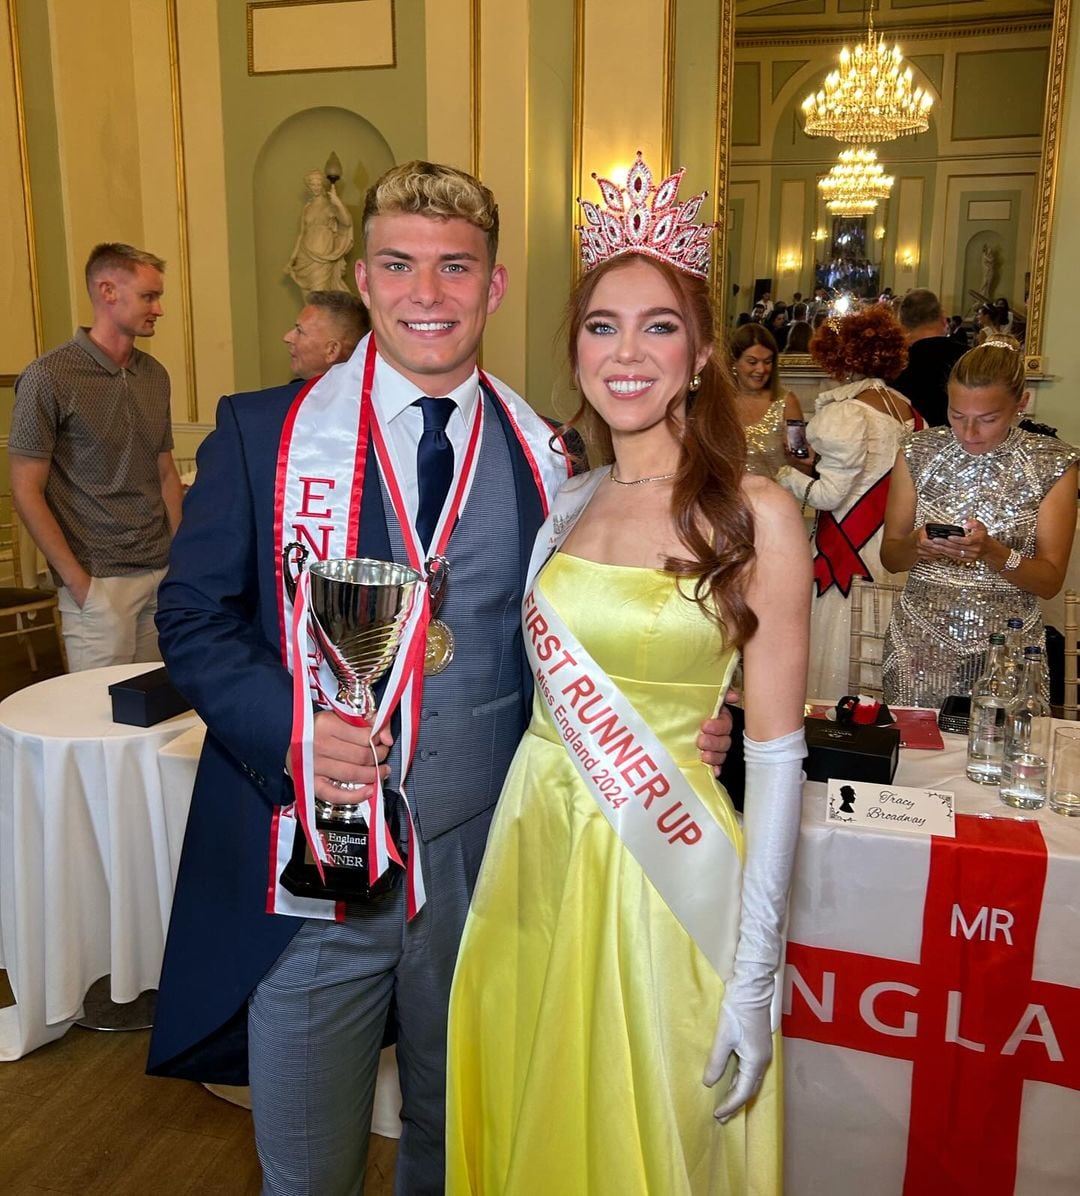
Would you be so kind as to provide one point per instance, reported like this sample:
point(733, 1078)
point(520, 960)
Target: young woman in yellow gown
point(609, 974)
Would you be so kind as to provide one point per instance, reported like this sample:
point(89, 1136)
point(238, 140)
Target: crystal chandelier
point(869, 98)
point(855, 183)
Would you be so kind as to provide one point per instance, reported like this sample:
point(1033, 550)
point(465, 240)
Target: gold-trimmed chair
point(21, 603)
point(871, 608)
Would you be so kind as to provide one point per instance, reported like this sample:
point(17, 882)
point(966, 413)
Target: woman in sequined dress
point(1014, 494)
point(762, 409)
point(855, 431)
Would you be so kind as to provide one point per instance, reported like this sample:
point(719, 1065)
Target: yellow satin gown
point(582, 1013)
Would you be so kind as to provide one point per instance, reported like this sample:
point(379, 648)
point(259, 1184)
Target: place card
point(873, 806)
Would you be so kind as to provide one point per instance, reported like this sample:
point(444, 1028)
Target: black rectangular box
point(147, 699)
point(849, 752)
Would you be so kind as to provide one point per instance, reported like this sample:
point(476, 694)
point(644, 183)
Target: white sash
point(638, 787)
point(320, 474)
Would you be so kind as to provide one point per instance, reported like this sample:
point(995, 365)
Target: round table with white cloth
point(89, 843)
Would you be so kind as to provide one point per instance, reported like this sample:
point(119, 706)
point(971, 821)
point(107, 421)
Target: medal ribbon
point(410, 688)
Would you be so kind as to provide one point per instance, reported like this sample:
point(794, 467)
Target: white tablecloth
point(89, 839)
point(860, 913)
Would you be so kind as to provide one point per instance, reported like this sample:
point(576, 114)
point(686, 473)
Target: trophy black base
point(347, 878)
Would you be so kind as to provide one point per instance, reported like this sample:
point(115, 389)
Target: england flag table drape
point(932, 1001)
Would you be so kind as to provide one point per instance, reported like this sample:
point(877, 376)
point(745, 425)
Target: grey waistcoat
point(471, 720)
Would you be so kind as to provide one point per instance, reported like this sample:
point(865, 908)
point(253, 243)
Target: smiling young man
point(360, 463)
point(92, 473)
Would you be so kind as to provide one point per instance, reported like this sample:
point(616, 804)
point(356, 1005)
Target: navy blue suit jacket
point(219, 634)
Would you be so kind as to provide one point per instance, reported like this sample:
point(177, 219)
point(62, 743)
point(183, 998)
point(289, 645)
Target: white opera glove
point(774, 780)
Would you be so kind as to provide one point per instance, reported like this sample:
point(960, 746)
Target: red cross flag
point(932, 1015)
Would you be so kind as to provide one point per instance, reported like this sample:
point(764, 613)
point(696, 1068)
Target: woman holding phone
point(982, 513)
point(765, 411)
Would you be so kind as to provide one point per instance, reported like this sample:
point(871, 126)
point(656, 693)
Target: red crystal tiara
point(645, 219)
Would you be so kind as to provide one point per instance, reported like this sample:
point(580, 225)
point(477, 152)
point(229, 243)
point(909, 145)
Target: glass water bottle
point(1027, 739)
point(990, 696)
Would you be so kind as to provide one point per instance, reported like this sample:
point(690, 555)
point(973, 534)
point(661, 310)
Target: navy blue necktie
point(434, 465)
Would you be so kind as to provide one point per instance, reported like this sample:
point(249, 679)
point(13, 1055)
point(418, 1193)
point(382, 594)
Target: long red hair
point(712, 518)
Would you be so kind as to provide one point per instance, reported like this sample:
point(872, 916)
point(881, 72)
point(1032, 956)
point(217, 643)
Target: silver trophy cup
point(357, 614)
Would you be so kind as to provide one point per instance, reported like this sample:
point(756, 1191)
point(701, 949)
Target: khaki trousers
point(115, 625)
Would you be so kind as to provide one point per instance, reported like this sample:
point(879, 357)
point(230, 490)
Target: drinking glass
point(1065, 771)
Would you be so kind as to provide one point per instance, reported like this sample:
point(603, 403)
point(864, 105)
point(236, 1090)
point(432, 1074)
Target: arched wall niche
point(974, 264)
point(299, 144)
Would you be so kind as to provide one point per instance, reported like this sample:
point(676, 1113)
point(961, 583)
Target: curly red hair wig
point(868, 343)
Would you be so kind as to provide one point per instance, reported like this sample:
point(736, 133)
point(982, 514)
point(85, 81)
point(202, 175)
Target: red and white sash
point(666, 827)
point(322, 459)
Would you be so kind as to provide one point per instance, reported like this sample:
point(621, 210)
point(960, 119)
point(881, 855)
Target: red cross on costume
point(969, 1016)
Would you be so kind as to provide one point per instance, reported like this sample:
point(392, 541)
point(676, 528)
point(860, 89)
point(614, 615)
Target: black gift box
point(147, 699)
point(850, 752)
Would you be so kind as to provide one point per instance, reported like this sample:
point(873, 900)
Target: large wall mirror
point(968, 214)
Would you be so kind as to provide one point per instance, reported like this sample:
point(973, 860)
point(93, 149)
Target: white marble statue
point(326, 236)
point(989, 265)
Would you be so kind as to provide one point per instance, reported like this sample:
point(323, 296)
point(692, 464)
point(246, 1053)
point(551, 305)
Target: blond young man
point(308, 999)
point(92, 473)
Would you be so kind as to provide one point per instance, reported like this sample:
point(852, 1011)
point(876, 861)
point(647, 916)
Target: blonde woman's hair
point(437, 191)
point(996, 362)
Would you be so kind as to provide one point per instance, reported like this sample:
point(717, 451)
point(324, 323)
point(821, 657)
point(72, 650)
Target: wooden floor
point(79, 1116)
point(15, 671)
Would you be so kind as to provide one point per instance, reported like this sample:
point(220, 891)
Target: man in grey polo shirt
point(92, 473)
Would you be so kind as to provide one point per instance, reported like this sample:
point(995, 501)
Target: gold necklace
point(657, 477)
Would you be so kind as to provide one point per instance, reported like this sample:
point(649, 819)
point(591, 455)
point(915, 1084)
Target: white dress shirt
point(392, 398)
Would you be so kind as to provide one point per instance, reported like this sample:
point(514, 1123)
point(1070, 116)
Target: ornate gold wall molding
point(24, 171)
point(577, 134)
point(834, 35)
point(1047, 183)
point(187, 313)
point(475, 81)
point(722, 151)
point(667, 120)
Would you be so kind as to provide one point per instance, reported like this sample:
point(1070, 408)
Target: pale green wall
point(746, 104)
point(997, 84)
point(47, 203)
point(45, 173)
point(392, 100)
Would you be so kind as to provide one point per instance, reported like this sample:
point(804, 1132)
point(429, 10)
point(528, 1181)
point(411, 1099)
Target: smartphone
point(796, 438)
point(942, 531)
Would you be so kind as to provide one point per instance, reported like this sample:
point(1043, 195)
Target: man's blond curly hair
point(437, 191)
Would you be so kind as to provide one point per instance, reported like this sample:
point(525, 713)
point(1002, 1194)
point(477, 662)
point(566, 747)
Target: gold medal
point(439, 648)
